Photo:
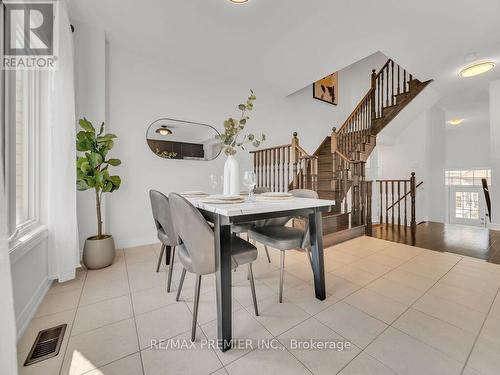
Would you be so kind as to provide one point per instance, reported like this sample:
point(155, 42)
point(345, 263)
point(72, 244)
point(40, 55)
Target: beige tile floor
point(405, 310)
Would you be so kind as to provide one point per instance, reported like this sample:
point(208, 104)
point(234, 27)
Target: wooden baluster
point(368, 220)
point(379, 101)
point(392, 83)
point(374, 88)
point(275, 169)
point(287, 179)
point(346, 172)
point(294, 155)
point(386, 203)
point(380, 193)
point(399, 91)
point(399, 203)
point(404, 80)
point(413, 192)
point(392, 203)
point(405, 192)
point(387, 87)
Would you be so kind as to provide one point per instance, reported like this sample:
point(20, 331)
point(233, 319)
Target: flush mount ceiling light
point(477, 68)
point(163, 130)
point(238, 1)
point(456, 121)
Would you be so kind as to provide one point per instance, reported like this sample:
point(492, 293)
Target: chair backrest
point(304, 193)
point(162, 216)
point(195, 233)
point(260, 190)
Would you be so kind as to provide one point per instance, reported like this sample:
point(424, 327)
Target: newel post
point(413, 193)
point(334, 142)
point(295, 158)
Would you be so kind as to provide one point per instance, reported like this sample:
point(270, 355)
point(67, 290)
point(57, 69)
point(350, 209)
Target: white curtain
point(64, 254)
point(8, 358)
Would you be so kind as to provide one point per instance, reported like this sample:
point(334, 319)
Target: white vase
point(231, 176)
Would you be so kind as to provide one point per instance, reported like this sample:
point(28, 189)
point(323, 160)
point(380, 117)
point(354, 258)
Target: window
point(22, 149)
point(22, 164)
point(470, 177)
point(467, 205)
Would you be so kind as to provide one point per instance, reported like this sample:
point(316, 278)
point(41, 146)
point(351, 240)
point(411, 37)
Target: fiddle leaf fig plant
point(233, 127)
point(92, 168)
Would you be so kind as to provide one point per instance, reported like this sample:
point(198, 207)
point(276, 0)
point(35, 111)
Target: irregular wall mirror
point(177, 139)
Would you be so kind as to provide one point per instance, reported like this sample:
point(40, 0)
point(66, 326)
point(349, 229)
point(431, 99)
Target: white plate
point(194, 193)
point(222, 197)
point(268, 199)
point(221, 201)
point(275, 194)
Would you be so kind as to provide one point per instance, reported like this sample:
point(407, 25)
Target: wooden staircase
point(336, 170)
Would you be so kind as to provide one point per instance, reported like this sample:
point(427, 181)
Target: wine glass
point(214, 182)
point(249, 180)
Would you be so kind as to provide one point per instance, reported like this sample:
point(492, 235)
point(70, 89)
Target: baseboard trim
point(494, 226)
point(25, 317)
point(124, 243)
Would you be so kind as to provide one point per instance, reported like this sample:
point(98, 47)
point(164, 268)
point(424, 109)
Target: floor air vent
point(47, 344)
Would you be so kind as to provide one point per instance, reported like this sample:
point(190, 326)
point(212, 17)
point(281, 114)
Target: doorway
point(467, 206)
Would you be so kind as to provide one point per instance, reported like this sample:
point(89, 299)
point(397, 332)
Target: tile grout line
point(133, 312)
point(73, 323)
point(391, 325)
point(479, 332)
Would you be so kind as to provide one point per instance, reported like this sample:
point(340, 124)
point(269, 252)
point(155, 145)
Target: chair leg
point(267, 253)
point(252, 287)
point(159, 259)
point(181, 281)
point(195, 308)
point(282, 274)
point(170, 268)
point(308, 250)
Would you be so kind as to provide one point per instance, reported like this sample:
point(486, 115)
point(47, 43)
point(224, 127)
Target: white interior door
point(467, 206)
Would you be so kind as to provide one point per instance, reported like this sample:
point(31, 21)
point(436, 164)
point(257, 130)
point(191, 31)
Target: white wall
point(495, 152)
point(140, 90)
point(468, 145)
point(90, 102)
point(415, 142)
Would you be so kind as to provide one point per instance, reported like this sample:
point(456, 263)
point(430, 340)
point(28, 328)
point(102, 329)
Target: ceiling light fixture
point(238, 1)
point(456, 121)
point(163, 130)
point(477, 68)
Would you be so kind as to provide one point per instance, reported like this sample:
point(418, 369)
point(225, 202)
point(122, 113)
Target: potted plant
point(230, 142)
point(92, 172)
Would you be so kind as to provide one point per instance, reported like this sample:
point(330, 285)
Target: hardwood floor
point(479, 243)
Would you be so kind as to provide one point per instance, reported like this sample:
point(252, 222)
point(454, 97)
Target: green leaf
point(116, 180)
point(86, 125)
point(243, 121)
point(242, 107)
point(101, 130)
point(114, 162)
point(81, 185)
point(105, 138)
point(94, 159)
point(85, 166)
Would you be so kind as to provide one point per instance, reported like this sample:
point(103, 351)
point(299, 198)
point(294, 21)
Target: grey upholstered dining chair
point(276, 234)
point(245, 227)
point(164, 229)
point(197, 252)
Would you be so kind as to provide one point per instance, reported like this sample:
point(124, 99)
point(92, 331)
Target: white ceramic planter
point(231, 176)
point(98, 253)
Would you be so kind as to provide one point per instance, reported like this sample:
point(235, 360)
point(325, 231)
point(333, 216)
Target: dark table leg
point(223, 281)
point(316, 233)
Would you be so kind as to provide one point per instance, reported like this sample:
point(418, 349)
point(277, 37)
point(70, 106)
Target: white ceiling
point(287, 44)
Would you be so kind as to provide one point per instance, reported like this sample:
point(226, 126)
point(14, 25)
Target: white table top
point(260, 206)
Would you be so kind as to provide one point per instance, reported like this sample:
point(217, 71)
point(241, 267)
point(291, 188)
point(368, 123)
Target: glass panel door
point(467, 206)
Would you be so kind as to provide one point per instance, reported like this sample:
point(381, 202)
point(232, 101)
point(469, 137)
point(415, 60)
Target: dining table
point(224, 215)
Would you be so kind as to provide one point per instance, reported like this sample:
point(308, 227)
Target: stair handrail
point(404, 196)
